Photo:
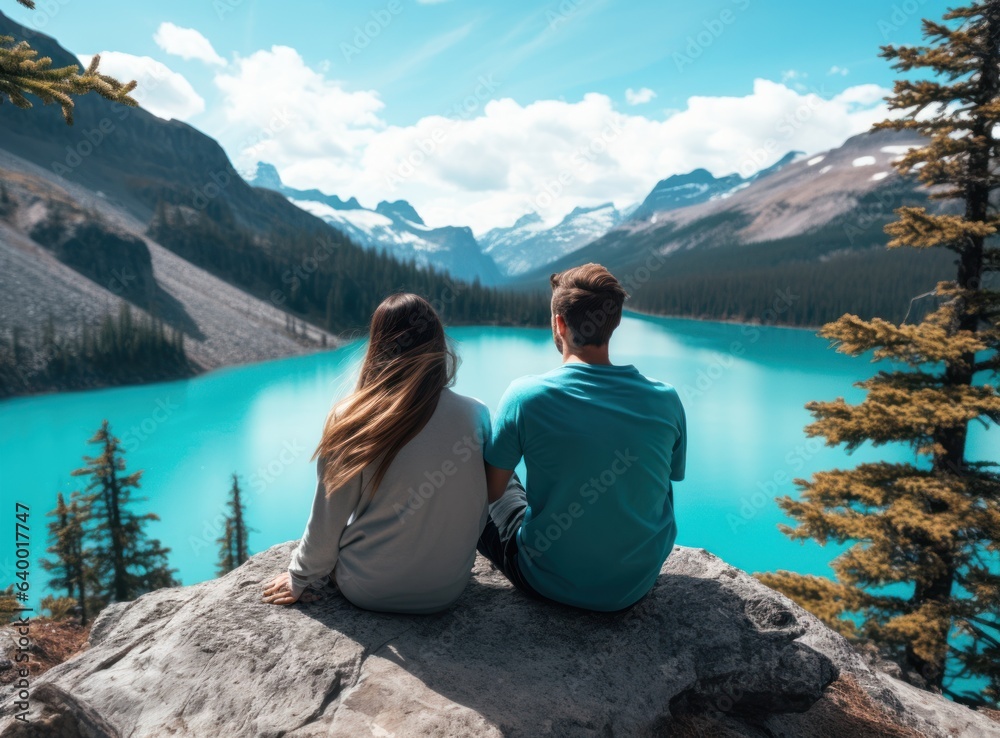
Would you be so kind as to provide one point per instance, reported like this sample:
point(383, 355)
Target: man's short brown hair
point(590, 300)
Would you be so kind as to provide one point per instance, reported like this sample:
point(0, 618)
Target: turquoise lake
point(743, 388)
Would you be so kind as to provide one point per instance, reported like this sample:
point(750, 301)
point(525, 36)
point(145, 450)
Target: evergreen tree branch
point(22, 74)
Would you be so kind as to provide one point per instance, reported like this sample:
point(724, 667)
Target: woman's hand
point(279, 591)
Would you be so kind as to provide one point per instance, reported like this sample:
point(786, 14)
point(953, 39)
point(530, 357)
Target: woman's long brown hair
point(408, 364)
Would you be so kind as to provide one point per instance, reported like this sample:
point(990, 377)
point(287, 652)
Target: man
point(601, 445)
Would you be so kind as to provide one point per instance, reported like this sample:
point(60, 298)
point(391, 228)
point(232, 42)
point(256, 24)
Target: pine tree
point(21, 74)
point(59, 608)
point(126, 562)
point(8, 604)
point(227, 557)
point(233, 548)
point(921, 578)
point(71, 566)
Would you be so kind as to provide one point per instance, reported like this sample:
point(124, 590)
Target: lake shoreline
point(95, 383)
point(730, 321)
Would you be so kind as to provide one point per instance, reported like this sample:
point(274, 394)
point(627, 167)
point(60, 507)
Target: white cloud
point(639, 97)
point(842, 71)
point(862, 96)
point(499, 159)
point(303, 119)
point(794, 77)
point(161, 91)
point(186, 43)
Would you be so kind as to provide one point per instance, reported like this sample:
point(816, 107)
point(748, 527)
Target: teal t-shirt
point(601, 445)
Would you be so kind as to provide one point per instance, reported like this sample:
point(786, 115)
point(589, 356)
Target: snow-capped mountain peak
point(698, 186)
point(267, 176)
point(399, 209)
point(395, 227)
point(528, 219)
point(529, 244)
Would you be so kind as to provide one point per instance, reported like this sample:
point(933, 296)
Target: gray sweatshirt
point(410, 546)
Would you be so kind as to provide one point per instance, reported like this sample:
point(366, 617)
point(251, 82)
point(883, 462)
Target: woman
point(401, 494)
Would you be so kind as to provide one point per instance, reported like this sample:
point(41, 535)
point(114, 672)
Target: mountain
point(267, 177)
point(528, 244)
point(693, 188)
point(127, 209)
point(790, 199)
point(802, 244)
point(400, 210)
point(395, 227)
point(102, 177)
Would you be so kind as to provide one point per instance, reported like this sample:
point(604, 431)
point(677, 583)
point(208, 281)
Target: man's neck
point(587, 355)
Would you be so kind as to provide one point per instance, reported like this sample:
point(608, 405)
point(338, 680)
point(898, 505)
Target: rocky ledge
point(710, 651)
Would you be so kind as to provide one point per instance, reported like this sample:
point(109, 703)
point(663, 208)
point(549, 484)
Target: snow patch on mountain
point(368, 227)
point(529, 244)
point(699, 186)
point(395, 227)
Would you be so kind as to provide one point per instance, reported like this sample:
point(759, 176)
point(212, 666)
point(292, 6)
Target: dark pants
point(498, 541)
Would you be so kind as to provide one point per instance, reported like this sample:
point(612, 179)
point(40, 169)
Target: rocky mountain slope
point(395, 227)
point(694, 188)
point(46, 274)
point(710, 651)
point(853, 182)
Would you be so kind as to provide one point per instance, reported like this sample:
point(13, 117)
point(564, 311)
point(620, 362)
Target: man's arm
point(496, 481)
point(506, 446)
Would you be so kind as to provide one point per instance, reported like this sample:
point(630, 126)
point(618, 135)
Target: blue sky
point(355, 97)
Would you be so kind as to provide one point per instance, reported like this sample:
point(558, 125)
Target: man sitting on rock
point(601, 445)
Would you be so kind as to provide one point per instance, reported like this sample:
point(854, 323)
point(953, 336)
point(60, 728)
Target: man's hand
point(279, 591)
point(496, 482)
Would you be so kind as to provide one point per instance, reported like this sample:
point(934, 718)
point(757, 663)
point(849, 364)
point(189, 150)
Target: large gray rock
point(710, 651)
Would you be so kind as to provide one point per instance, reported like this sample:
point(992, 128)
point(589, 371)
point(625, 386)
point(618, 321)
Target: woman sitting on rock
point(401, 494)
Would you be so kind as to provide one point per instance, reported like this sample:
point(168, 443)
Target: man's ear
point(564, 332)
